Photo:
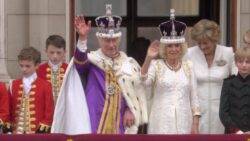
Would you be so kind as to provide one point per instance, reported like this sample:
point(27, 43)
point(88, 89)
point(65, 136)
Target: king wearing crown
point(101, 92)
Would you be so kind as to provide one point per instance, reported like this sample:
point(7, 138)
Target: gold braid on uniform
point(110, 119)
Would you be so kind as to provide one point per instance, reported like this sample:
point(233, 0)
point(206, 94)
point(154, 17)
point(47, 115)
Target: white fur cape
point(71, 112)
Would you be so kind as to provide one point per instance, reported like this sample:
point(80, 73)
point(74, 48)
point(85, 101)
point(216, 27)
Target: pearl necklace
point(175, 68)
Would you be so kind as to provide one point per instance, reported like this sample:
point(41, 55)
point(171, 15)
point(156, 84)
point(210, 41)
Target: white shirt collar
point(27, 81)
point(53, 66)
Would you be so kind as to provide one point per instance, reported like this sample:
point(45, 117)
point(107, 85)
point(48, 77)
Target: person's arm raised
point(152, 53)
point(80, 55)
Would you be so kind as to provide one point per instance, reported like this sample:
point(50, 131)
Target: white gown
point(174, 100)
point(210, 83)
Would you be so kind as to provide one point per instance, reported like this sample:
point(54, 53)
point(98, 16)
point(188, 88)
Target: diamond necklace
point(177, 67)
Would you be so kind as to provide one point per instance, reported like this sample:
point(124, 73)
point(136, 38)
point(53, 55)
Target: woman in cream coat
point(175, 105)
point(212, 63)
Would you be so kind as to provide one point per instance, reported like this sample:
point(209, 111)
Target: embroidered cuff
point(44, 128)
point(6, 128)
point(7, 124)
point(82, 45)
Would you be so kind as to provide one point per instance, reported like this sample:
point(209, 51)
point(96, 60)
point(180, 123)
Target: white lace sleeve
point(232, 66)
point(193, 94)
point(149, 78)
point(82, 45)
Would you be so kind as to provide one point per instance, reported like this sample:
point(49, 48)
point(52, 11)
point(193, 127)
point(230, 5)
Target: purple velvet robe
point(95, 91)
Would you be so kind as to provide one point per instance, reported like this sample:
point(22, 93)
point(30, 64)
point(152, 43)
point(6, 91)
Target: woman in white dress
point(175, 107)
point(212, 63)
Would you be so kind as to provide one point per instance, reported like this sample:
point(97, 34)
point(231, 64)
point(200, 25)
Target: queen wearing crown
point(174, 107)
point(101, 91)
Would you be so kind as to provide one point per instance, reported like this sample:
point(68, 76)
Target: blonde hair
point(162, 52)
point(205, 29)
point(242, 53)
point(246, 37)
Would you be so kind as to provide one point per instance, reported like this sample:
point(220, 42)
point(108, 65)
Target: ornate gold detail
point(48, 69)
point(32, 112)
point(48, 76)
point(56, 78)
point(24, 115)
point(187, 69)
point(109, 122)
point(44, 127)
point(32, 99)
point(32, 106)
point(31, 93)
point(32, 126)
point(62, 70)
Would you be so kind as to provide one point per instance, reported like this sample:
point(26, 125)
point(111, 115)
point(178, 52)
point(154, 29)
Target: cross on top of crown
point(108, 9)
point(172, 14)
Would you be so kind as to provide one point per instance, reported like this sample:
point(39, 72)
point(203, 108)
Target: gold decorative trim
point(80, 62)
point(32, 112)
point(44, 127)
point(48, 69)
point(62, 70)
point(110, 118)
point(32, 93)
point(69, 139)
point(32, 126)
point(7, 124)
point(31, 99)
point(23, 115)
point(32, 106)
point(32, 119)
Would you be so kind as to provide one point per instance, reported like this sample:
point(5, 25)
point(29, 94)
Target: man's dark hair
point(56, 40)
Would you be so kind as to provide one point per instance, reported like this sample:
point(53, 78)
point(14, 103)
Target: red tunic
point(44, 71)
point(55, 78)
point(4, 103)
point(28, 111)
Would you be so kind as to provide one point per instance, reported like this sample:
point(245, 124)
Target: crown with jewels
point(108, 25)
point(172, 31)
